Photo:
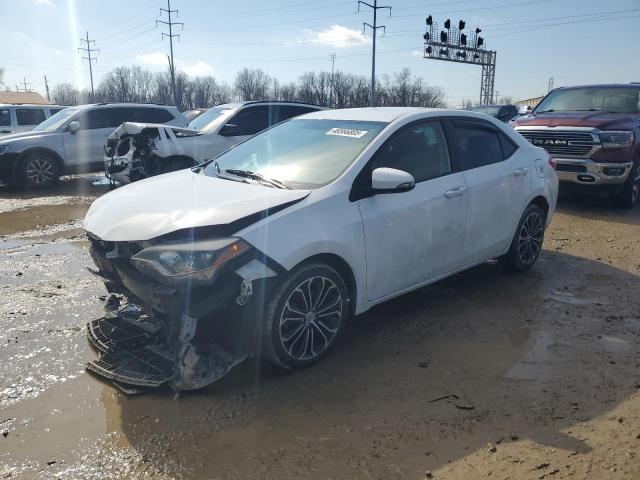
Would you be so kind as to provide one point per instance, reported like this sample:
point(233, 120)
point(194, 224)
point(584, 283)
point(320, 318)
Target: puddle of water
point(536, 364)
point(59, 248)
point(33, 218)
point(8, 244)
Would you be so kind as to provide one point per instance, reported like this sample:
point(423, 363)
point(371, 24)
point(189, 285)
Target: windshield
point(600, 99)
point(56, 121)
point(301, 153)
point(209, 120)
point(488, 110)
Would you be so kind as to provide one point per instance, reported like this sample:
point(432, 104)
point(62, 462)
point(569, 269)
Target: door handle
point(519, 172)
point(455, 192)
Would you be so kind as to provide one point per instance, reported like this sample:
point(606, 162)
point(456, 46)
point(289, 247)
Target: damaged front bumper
point(183, 335)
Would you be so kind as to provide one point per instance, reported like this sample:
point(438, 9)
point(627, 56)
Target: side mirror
point(73, 127)
point(230, 130)
point(524, 110)
point(391, 180)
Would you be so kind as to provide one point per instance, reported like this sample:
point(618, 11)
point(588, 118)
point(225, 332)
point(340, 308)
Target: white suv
point(17, 118)
point(72, 141)
point(269, 248)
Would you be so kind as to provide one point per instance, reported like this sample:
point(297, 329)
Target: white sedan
point(271, 247)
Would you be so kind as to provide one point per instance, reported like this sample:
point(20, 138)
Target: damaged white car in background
point(140, 150)
point(270, 248)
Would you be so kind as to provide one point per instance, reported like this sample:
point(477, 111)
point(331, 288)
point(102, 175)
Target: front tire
point(305, 316)
point(38, 170)
point(629, 195)
point(527, 241)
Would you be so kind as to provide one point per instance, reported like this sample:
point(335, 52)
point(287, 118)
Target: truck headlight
point(616, 139)
point(200, 259)
point(4, 148)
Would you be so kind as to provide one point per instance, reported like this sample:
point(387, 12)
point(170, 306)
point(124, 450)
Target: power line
point(374, 28)
point(90, 59)
point(170, 35)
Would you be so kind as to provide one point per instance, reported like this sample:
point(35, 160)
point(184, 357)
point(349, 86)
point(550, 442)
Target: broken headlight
point(199, 259)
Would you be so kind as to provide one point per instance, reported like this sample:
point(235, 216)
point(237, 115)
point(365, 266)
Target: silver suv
point(21, 117)
point(72, 141)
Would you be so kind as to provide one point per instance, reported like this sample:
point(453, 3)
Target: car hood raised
point(601, 120)
point(178, 200)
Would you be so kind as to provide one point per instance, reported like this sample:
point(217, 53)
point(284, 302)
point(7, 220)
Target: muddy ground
point(484, 375)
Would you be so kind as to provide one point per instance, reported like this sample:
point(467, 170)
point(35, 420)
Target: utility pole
point(24, 85)
point(170, 35)
point(333, 61)
point(46, 85)
point(90, 59)
point(374, 29)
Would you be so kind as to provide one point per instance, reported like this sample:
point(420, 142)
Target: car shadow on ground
point(416, 383)
point(70, 185)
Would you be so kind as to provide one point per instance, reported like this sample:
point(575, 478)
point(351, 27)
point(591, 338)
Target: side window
point(478, 144)
point(508, 146)
point(156, 115)
point(29, 116)
point(420, 150)
point(286, 112)
point(53, 111)
point(5, 117)
point(252, 120)
point(103, 118)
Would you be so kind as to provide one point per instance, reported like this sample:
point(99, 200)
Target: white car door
point(416, 236)
point(498, 178)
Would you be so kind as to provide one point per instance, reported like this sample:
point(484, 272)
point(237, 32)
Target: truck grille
point(561, 143)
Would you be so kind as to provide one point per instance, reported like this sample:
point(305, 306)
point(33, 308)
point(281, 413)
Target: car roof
point(34, 105)
point(266, 102)
point(372, 114)
point(602, 85)
point(118, 105)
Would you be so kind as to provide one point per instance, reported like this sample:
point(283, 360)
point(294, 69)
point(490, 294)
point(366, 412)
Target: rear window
point(29, 116)
point(151, 115)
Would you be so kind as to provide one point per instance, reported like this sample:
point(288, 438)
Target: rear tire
point(629, 195)
point(527, 241)
point(38, 170)
point(304, 316)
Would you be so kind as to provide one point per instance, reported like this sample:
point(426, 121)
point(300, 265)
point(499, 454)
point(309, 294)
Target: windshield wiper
point(546, 111)
point(256, 176)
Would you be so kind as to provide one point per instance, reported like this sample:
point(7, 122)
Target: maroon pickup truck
point(593, 134)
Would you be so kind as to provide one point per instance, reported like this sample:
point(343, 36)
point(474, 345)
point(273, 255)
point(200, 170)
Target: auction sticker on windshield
point(347, 132)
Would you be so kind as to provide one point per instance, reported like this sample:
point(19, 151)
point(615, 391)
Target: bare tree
point(467, 104)
point(252, 84)
point(65, 94)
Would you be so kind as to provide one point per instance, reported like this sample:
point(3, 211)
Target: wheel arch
point(541, 202)
point(343, 268)
point(42, 150)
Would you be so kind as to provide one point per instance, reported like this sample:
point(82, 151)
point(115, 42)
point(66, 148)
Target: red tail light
point(553, 163)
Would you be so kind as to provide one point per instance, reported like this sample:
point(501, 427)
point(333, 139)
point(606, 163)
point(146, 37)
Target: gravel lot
point(484, 375)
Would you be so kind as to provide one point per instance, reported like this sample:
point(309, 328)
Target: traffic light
point(429, 20)
point(478, 31)
point(463, 39)
point(447, 24)
point(444, 52)
point(461, 25)
point(426, 37)
point(480, 42)
point(429, 50)
point(443, 37)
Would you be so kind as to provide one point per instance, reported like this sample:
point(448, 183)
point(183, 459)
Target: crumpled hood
point(156, 206)
point(601, 120)
point(133, 128)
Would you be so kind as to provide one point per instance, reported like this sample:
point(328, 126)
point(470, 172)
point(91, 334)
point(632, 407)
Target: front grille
point(561, 143)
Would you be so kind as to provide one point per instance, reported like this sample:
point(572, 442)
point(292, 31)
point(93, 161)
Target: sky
point(573, 41)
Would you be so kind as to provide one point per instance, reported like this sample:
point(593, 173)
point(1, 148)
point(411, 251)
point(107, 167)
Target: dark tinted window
point(508, 146)
point(29, 116)
point(289, 111)
point(252, 120)
point(5, 117)
point(53, 111)
point(147, 115)
point(420, 150)
point(478, 144)
point(102, 118)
